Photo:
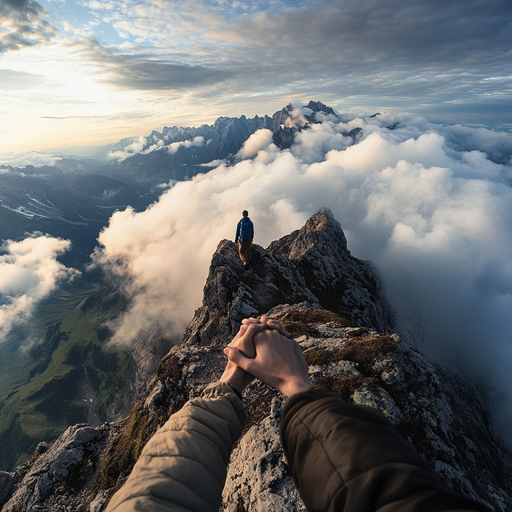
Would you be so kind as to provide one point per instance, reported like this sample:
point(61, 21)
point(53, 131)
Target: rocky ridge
point(346, 333)
point(312, 264)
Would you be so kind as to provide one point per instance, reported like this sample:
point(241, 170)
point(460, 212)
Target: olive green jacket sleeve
point(349, 458)
point(183, 466)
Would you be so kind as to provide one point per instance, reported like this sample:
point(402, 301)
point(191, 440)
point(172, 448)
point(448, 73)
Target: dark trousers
point(244, 249)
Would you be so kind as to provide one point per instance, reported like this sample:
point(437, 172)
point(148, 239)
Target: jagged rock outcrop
point(6, 483)
point(312, 264)
point(430, 404)
point(60, 469)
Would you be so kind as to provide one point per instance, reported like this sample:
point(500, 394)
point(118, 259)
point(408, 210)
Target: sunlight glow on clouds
point(154, 61)
point(20, 159)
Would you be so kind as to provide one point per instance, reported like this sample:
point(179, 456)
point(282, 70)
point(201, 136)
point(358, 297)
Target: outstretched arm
point(343, 457)
point(183, 466)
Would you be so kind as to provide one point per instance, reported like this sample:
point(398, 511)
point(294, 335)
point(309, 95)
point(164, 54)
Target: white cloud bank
point(22, 159)
point(196, 141)
point(259, 140)
point(149, 144)
point(29, 272)
point(431, 205)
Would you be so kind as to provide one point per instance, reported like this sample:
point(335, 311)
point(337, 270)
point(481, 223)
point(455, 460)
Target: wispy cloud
point(148, 72)
point(438, 53)
point(29, 272)
point(450, 60)
point(16, 80)
point(24, 23)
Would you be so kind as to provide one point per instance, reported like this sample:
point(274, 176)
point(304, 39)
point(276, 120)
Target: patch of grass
point(120, 305)
point(357, 332)
point(321, 356)
point(124, 450)
point(170, 368)
point(314, 316)
point(42, 364)
point(79, 473)
point(302, 320)
point(345, 387)
point(141, 425)
point(361, 351)
point(297, 329)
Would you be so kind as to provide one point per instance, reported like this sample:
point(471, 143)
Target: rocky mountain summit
point(335, 307)
point(310, 265)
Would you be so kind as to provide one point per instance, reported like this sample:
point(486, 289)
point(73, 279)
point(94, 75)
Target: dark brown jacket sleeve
point(349, 458)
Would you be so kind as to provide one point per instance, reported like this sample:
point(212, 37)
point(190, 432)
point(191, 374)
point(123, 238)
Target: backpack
point(246, 231)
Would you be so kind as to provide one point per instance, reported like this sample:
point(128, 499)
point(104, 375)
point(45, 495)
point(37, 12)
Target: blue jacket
point(244, 230)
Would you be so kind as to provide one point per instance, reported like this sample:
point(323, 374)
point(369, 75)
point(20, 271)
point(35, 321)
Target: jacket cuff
point(298, 401)
point(238, 394)
point(217, 389)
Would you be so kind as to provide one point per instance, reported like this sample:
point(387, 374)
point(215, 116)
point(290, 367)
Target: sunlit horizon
point(92, 73)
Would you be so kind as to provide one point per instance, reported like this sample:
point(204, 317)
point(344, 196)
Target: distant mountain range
point(75, 198)
point(63, 203)
point(222, 141)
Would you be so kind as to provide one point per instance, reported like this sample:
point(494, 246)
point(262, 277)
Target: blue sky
point(91, 72)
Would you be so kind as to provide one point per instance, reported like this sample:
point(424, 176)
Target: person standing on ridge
point(244, 237)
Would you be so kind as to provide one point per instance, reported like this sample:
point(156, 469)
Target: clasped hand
point(263, 349)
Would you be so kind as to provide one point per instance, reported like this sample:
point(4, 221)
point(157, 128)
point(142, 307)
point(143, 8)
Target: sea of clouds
point(431, 205)
point(23, 159)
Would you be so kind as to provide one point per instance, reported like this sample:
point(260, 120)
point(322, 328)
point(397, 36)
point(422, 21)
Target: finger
point(237, 357)
point(245, 343)
point(247, 321)
point(271, 323)
point(239, 334)
point(275, 324)
point(246, 346)
point(252, 329)
point(265, 318)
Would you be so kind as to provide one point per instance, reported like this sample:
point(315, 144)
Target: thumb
point(237, 357)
